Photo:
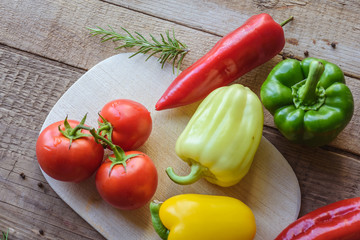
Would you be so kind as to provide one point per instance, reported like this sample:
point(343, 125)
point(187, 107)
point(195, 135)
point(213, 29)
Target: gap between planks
point(161, 18)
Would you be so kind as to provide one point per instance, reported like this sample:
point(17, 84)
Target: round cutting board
point(270, 188)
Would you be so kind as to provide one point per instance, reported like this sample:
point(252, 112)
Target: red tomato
point(131, 123)
point(64, 163)
point(128, 189)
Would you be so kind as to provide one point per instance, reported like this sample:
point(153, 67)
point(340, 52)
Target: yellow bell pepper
point(196, 216)
point(222, 137)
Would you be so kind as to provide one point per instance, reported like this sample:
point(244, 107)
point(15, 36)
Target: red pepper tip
point(158, 107)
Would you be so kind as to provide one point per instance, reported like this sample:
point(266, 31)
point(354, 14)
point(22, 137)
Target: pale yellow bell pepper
point(195, 216)
point(222, 137)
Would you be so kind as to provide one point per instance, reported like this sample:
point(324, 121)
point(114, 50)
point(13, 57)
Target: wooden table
point(45, 47)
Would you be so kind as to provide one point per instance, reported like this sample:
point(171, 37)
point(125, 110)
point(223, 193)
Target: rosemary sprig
point(4, 235)
point(169, 48)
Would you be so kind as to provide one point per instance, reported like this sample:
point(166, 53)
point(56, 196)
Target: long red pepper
point(336, 221)
point(258, 40)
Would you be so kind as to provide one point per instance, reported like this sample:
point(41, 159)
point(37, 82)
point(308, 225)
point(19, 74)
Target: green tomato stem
point(105, 128)
point(74, 133)
point(75, 130)
point(119, 153)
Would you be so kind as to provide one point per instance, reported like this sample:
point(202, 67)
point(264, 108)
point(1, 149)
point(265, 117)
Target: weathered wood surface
point(270, 181)
point(30, 86)
point(45, 48)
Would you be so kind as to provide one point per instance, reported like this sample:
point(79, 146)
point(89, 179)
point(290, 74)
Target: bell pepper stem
point(195, 174)
point(307, 93)
point(159, 227)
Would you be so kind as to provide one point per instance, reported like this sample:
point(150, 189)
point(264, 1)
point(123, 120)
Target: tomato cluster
point(71, 151)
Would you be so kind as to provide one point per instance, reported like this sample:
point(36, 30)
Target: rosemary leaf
point(4, 235)
point(154, 39)
point(169, 48)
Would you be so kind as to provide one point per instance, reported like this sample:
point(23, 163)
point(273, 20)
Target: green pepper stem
point(195, 174)
point(159, 227)
point(286, 21)
point(307, 94)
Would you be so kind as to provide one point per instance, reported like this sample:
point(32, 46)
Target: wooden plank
point(30, 86)
point(321, 172)
point(22, 202)
point(324, 176)
point(26, 221)
point(316, 25)
point(49, 28)
point(59, 36)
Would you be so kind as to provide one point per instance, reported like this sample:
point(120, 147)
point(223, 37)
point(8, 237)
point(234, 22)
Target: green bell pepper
point(309, 100)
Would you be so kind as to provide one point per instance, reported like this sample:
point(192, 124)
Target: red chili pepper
point(258, 40)
point(336, 221)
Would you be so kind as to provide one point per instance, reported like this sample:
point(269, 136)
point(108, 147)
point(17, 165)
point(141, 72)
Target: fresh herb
point(169, 48)
point(5, 235)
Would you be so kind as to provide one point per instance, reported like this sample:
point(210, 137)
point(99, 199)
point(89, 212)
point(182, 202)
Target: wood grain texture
point(71, 43)
point(30, 86)
point(316, 24)
point(325, 176)
point(47, 48)
point(337, 181)
point(50, 28)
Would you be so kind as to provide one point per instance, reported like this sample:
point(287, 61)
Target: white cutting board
point(270, 189)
